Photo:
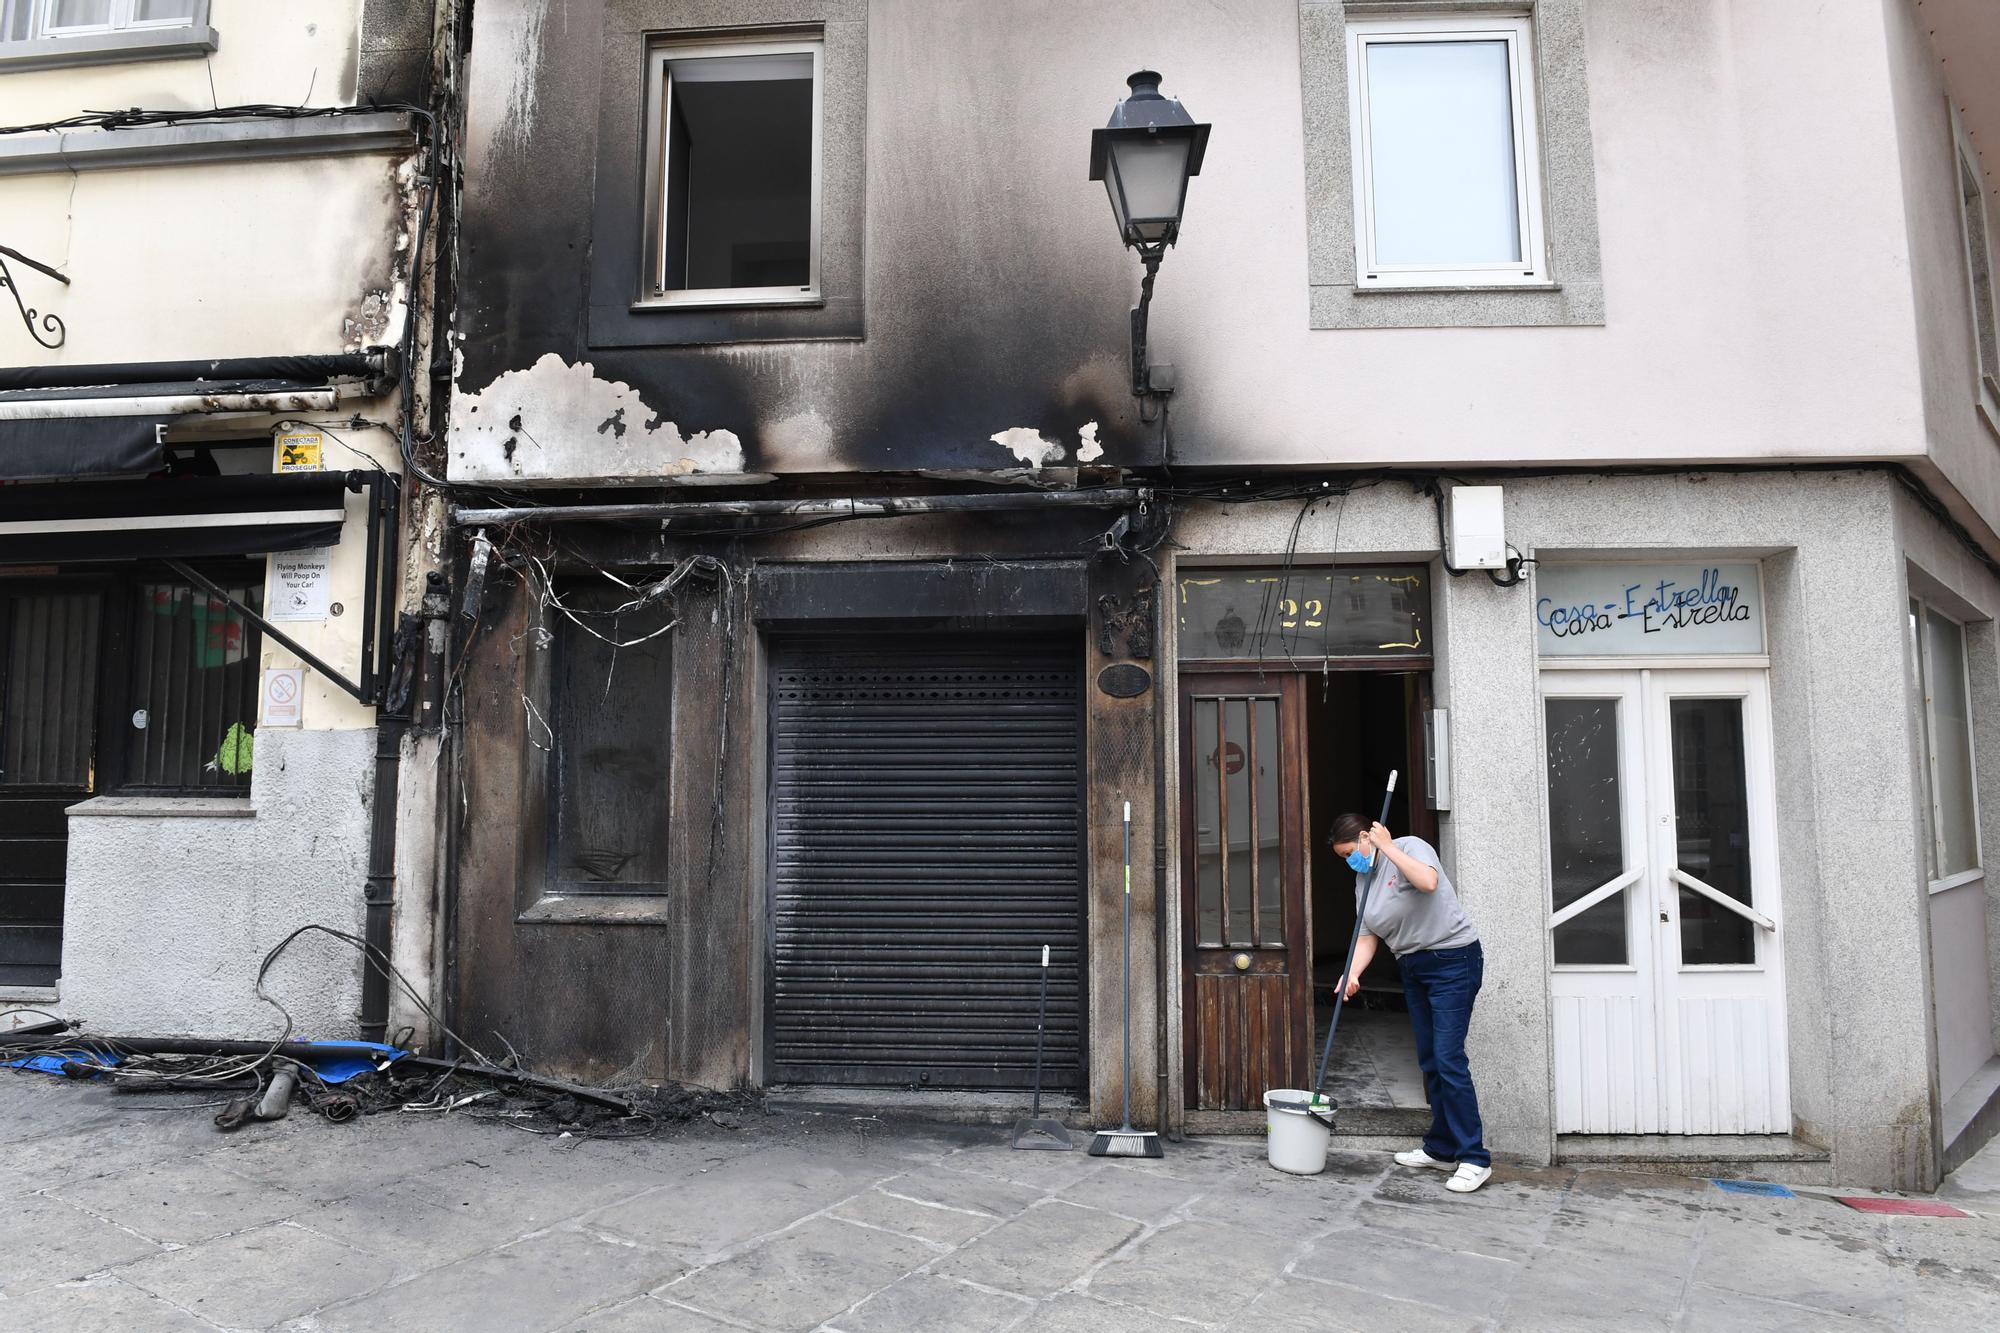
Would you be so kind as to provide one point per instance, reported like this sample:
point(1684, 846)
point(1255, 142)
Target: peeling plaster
point(556, 421)
point(1029, 445)
point(1038, 451)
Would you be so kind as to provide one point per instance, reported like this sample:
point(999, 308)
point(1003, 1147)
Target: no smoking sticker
point(284, 696)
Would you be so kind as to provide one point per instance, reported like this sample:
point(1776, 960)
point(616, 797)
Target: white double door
point(1667, 946)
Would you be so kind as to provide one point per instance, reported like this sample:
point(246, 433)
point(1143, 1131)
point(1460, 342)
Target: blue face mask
point(1358, 862)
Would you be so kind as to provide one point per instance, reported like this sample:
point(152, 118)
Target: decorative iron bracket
point(50, 323)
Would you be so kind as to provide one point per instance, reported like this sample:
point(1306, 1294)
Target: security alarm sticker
point(300, 584)
point(299, 451)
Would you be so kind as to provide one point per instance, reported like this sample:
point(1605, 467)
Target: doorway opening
point(1359, 725)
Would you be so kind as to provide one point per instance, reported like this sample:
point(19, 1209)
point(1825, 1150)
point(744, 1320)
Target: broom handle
point(1041, 1017)
point(1127, 1080)
point(1353, 943)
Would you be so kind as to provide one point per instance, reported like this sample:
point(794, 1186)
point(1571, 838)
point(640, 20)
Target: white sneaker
point(1468, 1178)
point(1418, 1157)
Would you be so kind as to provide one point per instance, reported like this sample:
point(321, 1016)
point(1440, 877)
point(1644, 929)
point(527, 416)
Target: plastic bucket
point(1298, 1140)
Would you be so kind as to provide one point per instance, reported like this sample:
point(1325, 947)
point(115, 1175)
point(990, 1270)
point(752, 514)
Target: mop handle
point(1353, 943)
point(1041, 1017)
point(1127, 1048)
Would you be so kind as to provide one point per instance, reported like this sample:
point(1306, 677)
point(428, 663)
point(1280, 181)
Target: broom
point(1126, 1141)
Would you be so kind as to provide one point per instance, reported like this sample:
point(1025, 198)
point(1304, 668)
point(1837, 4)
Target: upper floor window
point(1447, 176)
point(27, 20)
point(733, 197)
point(1978, 268)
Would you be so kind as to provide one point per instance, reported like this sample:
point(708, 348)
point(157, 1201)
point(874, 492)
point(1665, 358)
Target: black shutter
point(926, 830)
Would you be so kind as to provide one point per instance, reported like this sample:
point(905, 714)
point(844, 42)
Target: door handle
point(1242, 961)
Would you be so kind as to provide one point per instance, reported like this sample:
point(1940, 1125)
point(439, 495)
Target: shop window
point(609, 733)
point(1978, 270)
point(28, 20)
point(126, 684)
point(733, 199)
point(1937, 646)
point(189, 697)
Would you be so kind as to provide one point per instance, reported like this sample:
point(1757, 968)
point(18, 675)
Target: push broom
point(1126, 1141)
point(1317, 1105)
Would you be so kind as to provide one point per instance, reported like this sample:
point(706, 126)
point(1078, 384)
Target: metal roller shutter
point(926, 842)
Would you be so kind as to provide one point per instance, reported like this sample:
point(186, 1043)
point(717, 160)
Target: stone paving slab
point(114, 1218)
point(1042, 1251)
point(802, 1277)
point(257, 1278)
point(73, 1244)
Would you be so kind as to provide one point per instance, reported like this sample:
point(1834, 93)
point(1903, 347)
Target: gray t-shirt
point(1406, 918)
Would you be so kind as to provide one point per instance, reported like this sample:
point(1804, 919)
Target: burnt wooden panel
point(579, 999)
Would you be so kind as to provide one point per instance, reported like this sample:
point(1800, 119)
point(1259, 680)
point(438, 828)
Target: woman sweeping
point(1413, 909)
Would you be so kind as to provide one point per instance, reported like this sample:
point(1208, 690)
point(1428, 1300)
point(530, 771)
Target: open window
point(733, 172)
point(1447, 174)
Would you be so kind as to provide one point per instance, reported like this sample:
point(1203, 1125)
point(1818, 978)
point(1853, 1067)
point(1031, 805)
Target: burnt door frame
point(1295, 874)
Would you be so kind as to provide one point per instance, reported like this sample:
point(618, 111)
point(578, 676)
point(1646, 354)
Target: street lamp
point(1144, 156)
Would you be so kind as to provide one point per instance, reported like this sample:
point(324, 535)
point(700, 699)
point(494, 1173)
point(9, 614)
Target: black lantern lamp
point(1144, 156)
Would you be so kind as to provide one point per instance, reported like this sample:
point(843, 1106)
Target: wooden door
point(1247, 953)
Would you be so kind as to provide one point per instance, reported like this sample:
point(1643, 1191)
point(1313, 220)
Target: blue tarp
point(337, 1066)
point(53, 1064)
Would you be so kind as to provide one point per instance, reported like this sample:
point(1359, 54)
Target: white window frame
point(1518, 33)
point(42, 24)
point(1921, 612)
point(653, 294)
point(1976, 230)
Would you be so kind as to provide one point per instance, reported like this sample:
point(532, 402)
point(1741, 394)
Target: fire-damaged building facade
point(834, 583)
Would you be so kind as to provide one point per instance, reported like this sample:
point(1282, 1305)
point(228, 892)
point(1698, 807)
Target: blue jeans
point(1440, 985)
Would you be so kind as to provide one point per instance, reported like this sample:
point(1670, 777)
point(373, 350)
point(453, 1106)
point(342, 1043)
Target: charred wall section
point(674, 986)
point(992, 301)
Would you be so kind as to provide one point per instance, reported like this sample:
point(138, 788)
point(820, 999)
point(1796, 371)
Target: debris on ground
point(347, 1080)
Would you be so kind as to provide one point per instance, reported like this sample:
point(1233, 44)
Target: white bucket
point(1297, 1143)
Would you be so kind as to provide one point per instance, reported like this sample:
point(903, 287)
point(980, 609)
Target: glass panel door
point(1606, 1051)
point(1721, 1009)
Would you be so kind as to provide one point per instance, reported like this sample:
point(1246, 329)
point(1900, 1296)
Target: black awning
point(49, 448)
point(173, 518)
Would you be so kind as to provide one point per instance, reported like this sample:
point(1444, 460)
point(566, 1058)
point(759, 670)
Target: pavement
point(132, 1212)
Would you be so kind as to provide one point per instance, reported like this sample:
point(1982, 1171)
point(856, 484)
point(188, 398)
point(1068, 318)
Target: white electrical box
point(1475, 527)
point(1437, 759)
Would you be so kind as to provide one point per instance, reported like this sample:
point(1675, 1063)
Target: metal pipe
point(1103, 497)
point(379, 899)
point(307, 369)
